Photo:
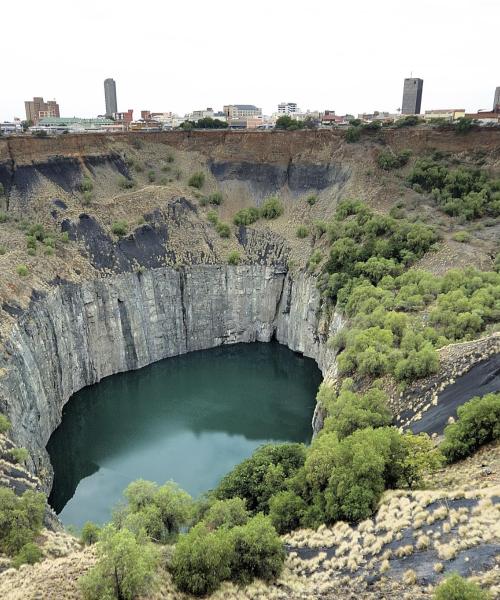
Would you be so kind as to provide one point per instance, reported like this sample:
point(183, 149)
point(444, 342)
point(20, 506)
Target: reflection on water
point(189, 418)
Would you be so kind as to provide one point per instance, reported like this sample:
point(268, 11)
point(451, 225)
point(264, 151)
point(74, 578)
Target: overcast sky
point(182, 55)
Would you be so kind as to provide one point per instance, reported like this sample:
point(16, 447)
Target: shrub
point(271, 208)
point(170, 158)
point(286, 510)
point(455, 587)
point(86, 185)
point(125, 568)
point(5, 424)
point(22, 270)
point(3, 217)
point(215, 198)
point(19, 455)
point(227, 513)
point(2, 191)
point(312, 199)
point(125, 183)
point(463, 125)
point(87, 198)
point(409, 121)
point(234, 258)
point(213, 217)
point(197, 180)
point(246, 216)
point(257, 478)
point(202, 560)
point(302, 231)
point(36, 231)
point(90, 533)
point(461, 236)
point(151, 176)
point(21, 519)
point(3, 250)
point(119, 228)
point(258, 551)
point(478, 423)
point(353, 134)
point(64, 237)
point(390, 160)
point(29, 554)
point(49, 251)
point(223, 229)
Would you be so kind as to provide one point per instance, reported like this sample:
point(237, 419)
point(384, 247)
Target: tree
point(21, 519)
point(271, 208)
point(90, 533)
point(455, 587)
point(246, 216)
point(125, 569)
point(227, 513)
point(4, 424)
point(478, 422)
point(419, 456)
point(202, 560)
point(258, 551)
point(286, 510)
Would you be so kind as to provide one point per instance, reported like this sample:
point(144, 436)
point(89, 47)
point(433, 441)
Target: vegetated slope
point(363, 224)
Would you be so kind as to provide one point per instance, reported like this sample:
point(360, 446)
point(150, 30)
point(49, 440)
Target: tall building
point(37, 109)
point(496, 100)
point(110, 97)
point(287, 108)
point(412, 96)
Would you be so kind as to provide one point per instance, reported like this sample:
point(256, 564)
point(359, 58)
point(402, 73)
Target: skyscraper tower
point(412, 96)
point(496, 100)
point(110, 97)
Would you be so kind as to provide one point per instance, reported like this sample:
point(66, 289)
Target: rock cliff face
point(79, 334)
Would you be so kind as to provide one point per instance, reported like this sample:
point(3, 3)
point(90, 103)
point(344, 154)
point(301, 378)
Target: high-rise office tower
point(412, 96)
point(110, 96)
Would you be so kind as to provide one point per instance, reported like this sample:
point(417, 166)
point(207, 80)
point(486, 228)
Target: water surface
point(189, 418)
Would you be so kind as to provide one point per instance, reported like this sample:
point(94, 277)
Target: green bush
point(258, 551)
point(29, 554)
point(125, 183)
point(271, 208)
point(3, 217)
point(409, 121)
point(19, 455)
point(312, 199)
point(125, 569)
point(119, 228)
point(455, 587)
point(151, 176)
point(64, 237)
point(389, 160)
point(21, 519)
point(286, 510)
point(302, 231)
point(22, 270)
point(90, 533)
point(257, 478)
point(197, 180)
point(36, 231)
point(2, 191)
point(5, 424)
point(246, 216)
point(234, 258)
point(86, 185)
point(223, 229)
point(202, 560)
point(353, 134)
point(213, 217)
point(463, 125)
point(3, 250)
point(478, 422)
point(461, 236)
point(226, 513)
point(87, 198)
point(215, 198)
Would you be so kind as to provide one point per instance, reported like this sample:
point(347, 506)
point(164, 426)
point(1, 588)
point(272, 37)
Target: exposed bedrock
point(79, 334)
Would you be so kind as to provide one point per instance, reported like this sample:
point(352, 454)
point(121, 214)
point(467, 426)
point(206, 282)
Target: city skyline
point(341, 61)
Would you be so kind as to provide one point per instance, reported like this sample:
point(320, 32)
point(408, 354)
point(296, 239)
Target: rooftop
point(61, 121)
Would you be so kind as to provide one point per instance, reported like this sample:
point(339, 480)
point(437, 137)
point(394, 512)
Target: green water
point(189, 418)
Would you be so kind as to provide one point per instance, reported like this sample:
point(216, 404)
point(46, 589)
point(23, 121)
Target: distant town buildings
point(412, 96)
point(110, 97)
point(448, 114)
point(72, 125)
point(287, 108)
point(496, 100)
point(11, 127)
point(241, 111)
point(37, 109)
point(124, 118)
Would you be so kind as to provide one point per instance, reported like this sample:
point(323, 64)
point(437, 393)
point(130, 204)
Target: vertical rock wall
point(79, 334)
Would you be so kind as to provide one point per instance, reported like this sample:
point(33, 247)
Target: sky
point(170, 55)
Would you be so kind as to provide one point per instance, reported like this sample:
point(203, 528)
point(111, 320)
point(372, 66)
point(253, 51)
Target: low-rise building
point(11, 127)
point(124, 118)
point(54, 125)
point(236, 112)
point(287, 108)
point(485, 117)
point(145, 125)
point(447, 114)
